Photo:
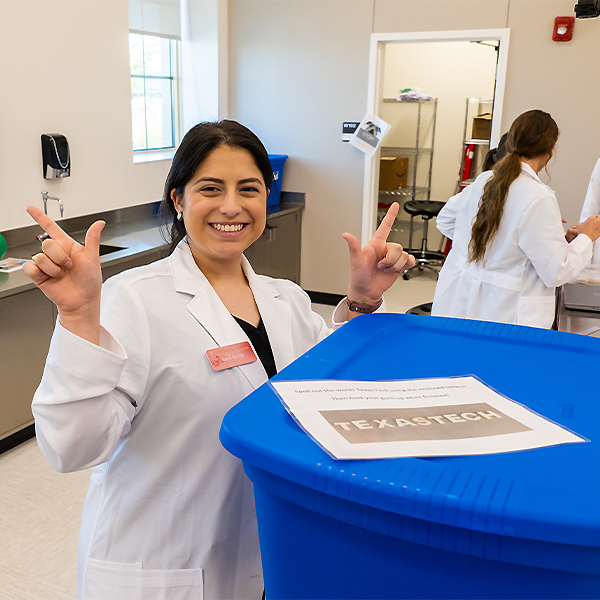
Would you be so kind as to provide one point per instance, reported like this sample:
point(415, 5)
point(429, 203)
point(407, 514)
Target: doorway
point(455, 76)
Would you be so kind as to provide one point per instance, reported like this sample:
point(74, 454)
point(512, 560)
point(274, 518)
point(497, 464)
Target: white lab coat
point(169, 512)
point(591, 206)
point(527, 259)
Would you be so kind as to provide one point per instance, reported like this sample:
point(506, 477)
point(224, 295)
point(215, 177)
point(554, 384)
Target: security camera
point(584, 9)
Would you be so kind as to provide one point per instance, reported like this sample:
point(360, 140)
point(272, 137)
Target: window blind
point(155, 17)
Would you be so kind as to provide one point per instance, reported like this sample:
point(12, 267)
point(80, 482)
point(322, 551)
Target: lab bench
point(130, 238)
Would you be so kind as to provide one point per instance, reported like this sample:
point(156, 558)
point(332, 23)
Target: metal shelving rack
point(412, 191)
point(414, 151)
point(480, 146)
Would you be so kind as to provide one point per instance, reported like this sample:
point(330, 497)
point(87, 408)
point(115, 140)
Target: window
point(154, 85)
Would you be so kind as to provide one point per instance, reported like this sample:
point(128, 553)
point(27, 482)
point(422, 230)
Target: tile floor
point(40, 509)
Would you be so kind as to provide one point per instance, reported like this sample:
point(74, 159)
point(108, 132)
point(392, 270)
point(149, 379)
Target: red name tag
point(231, 356)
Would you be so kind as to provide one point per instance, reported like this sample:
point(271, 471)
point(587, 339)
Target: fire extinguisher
point(467, 164)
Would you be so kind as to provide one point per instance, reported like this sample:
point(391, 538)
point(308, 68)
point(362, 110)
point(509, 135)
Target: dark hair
point(195, 147)
point(495, 154)
point(532, 134)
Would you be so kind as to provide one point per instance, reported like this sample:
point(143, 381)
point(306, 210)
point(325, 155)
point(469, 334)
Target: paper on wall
point(369, 134)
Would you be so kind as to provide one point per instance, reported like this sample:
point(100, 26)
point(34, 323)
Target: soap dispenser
point(56, 157)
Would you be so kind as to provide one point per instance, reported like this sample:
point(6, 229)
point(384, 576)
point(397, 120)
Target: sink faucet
point(45, 198)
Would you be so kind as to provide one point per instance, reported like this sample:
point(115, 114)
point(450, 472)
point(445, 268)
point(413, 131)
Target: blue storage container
point(277, 163)
point(513, 525)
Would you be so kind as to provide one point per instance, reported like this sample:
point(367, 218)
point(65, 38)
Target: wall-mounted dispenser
point(56, 157)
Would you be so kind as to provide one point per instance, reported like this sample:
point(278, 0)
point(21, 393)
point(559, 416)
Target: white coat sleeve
point(542, 239)
point(88, 394)
point(446, 218)
point(591, 204)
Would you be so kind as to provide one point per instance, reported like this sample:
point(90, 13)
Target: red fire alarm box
point(563, 29)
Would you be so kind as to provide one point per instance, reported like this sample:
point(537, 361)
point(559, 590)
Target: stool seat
point(421, 309)
point(424, 208)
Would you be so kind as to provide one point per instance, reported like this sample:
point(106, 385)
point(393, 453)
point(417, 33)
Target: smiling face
point(224, 206)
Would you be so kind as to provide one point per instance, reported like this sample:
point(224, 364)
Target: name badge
point(231, 356)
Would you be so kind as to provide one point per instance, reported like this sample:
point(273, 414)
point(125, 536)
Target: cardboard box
point(482, 127)
point(393, 172)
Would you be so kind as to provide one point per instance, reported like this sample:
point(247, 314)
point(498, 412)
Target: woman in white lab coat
point(509, 252)
point(129, 390)
point(591, 207)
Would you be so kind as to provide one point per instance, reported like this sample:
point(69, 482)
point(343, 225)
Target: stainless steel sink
point(107, 249)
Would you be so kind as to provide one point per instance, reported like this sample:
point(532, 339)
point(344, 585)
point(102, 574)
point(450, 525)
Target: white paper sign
point(8, 265)
point(369, 134)
point(417, 417)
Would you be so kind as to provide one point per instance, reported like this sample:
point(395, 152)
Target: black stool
point(421, 309)
point(424, 257)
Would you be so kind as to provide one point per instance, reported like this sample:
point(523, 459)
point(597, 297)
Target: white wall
point(65, 69)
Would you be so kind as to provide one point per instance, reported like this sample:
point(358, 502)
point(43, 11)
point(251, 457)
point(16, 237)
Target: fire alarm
point(563, 29)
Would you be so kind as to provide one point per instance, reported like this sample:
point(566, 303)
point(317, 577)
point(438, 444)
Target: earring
point(180, 215)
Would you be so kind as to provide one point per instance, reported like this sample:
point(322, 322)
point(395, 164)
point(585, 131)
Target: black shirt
point(260, 340)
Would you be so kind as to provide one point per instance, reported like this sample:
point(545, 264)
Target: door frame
point(375, 96)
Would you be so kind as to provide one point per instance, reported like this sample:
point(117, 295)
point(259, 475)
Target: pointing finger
point(48, 225)
point(387, 222)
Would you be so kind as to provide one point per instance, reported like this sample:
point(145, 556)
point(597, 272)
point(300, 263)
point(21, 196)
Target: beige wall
point(562, 79)
point(299, 68)
point(65, 69)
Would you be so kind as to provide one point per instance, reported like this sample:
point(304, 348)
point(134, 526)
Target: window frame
point(174, 79)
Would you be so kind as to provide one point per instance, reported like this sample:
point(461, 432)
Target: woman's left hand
point(374, 268)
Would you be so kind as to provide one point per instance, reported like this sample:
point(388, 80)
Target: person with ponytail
point(509, 250)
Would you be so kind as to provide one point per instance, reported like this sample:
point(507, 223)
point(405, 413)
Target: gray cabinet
point(277, 252)
point(27, 321)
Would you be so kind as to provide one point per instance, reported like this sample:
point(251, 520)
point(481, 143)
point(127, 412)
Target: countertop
point(135, 229)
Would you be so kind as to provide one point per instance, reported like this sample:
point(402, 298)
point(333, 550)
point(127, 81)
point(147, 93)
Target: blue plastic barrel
point(277, 163)
point(521, 524)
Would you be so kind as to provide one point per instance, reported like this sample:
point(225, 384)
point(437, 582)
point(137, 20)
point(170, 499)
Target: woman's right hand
point(572, 232)
point(591, 227)
point(69, 275)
